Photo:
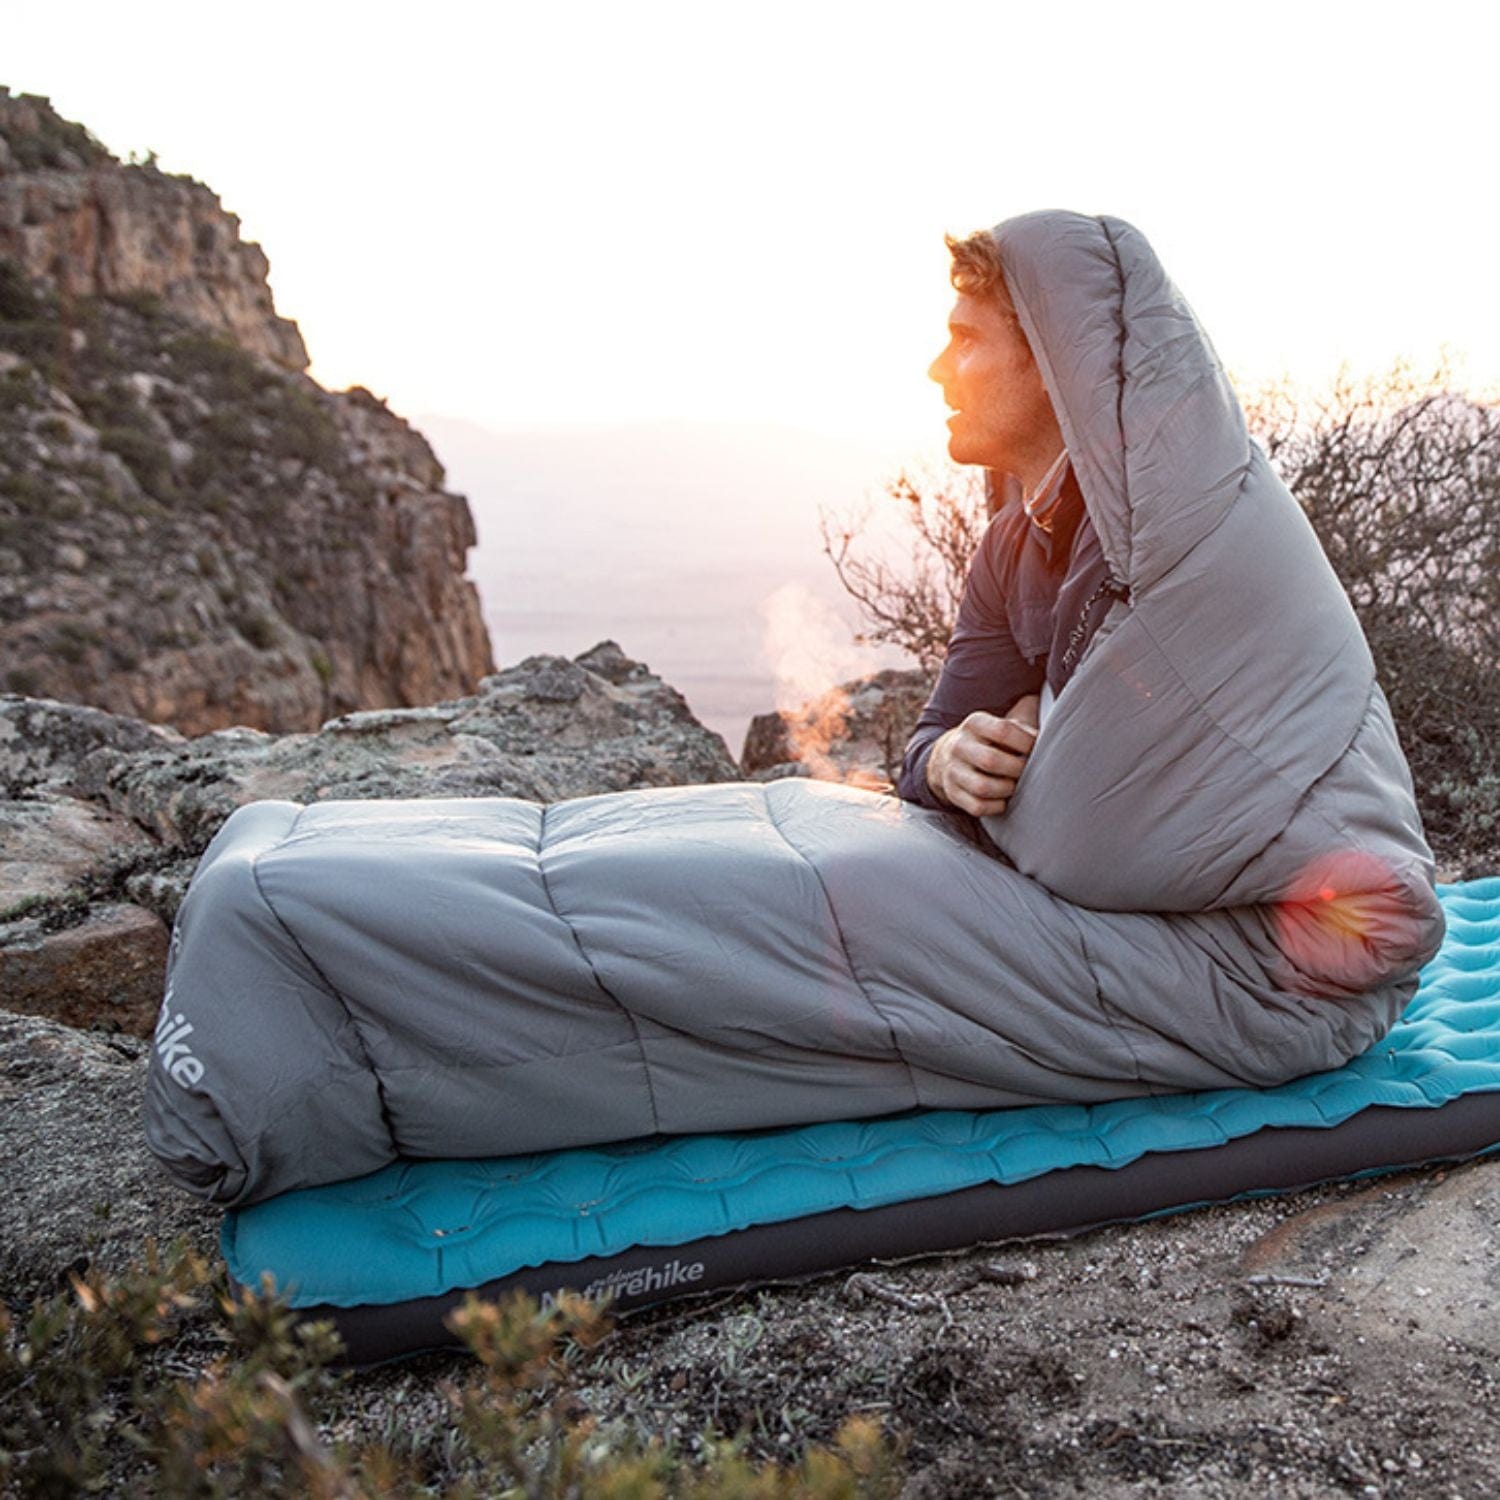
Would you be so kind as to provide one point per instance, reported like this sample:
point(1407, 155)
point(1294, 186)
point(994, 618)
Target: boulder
point(51, 845)
point(545, 729)
point(67, 744)
point(106, 969)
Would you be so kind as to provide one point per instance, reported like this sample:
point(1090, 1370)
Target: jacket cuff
point(911, 785)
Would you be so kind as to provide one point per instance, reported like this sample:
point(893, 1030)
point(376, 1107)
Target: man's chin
point(962, 452)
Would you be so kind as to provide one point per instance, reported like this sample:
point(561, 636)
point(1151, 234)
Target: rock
point(202, 535)
point(109, 969)
point(1411, 1258)
point(781, 769)
point(768, 743)
point(52, 845)
point(545, 729)
point(855, 732)
point(67, 745)
point(160, 889)
point(608, 661)
point(87, 225)
point(77, 1184)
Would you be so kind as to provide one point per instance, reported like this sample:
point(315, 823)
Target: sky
point(530, 216)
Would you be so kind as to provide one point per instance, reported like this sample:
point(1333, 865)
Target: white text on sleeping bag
point(172, 1048)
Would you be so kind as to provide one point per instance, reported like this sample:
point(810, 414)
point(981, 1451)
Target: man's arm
point(984, 674)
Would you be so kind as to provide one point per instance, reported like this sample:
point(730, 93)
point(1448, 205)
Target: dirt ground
point(1339, 1342)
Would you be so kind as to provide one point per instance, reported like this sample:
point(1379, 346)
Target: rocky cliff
point(192, 531)
point(81, 224)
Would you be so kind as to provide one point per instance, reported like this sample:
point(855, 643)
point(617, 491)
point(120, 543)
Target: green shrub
point(230, 372)
point(229, 428)
point(94, 1399)
point(32, 544)
point(18, 303)
point(29, 493)
point(146, 457)
point(44, 147)
point(216, 500)
point(259, 630)
point(147, 305)
point(26, 905)
point(71, 641)
point(299, 428)
point(44, 341)
point(115, 404)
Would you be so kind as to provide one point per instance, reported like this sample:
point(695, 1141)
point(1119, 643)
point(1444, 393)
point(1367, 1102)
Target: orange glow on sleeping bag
point(1345, 924)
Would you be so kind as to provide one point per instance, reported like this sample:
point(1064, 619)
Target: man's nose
point(938, 369)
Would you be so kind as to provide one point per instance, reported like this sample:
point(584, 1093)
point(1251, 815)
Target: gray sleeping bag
point(1211, 874)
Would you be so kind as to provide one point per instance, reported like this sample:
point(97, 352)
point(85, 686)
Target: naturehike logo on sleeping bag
point(176, 1056)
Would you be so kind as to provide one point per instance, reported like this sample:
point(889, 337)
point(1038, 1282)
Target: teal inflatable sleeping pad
point(386, 1257)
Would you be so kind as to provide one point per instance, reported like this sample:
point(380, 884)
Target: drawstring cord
point(1110, 586)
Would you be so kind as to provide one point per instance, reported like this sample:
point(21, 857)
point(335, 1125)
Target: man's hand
point(975, 766)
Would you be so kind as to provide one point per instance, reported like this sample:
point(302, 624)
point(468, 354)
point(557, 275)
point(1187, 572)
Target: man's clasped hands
point(975, 765)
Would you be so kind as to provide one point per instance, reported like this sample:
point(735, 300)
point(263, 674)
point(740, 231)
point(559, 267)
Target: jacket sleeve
point(983, 669)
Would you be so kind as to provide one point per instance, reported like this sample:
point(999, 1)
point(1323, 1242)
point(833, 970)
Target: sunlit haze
point(557, 217)
point(575, 213)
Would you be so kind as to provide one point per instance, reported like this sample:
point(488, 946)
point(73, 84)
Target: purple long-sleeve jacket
point(1037, 590)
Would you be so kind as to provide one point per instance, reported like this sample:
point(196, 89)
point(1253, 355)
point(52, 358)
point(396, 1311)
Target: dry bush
point(105, 1389)
point(911, 600)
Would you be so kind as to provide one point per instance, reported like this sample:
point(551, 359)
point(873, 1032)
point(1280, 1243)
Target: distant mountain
point(693, 544)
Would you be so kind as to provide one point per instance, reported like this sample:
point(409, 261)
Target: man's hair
point(976, 269)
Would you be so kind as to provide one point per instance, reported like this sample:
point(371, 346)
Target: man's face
point(1002, 418)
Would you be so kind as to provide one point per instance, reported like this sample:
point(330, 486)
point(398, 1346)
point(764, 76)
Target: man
point(1038, 585)
point(1227, 756)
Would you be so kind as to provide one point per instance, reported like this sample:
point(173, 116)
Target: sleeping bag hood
point(1224, 741)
